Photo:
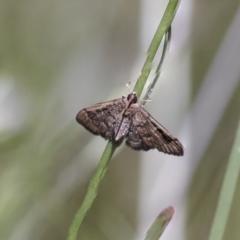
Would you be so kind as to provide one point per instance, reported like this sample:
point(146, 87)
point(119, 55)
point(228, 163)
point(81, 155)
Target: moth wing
point(100, 118)
point(146, 133)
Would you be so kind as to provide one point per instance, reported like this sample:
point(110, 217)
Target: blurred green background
point(58, 57)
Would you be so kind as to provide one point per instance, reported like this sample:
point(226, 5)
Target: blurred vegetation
point(207, 179)
point(44, 167)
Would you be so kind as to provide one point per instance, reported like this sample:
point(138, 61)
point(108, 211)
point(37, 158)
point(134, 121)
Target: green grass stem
point(227, 191)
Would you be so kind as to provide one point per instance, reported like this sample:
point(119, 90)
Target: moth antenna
point(127, 85)
point(142, 102)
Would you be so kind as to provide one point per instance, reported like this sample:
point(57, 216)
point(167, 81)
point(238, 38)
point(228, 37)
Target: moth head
point(132, 97)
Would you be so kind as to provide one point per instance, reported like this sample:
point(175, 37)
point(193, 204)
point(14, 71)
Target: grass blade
point(160, 224)
point(227, 191)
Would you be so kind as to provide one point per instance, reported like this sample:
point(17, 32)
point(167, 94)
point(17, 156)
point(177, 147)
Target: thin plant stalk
point(111, 146)
point(163, 27)
point(167, 40)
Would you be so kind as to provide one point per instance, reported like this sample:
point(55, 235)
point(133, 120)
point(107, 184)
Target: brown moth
point(125, 118)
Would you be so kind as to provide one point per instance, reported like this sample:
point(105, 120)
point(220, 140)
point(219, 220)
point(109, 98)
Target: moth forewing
point(100, 118)
point(160, 137)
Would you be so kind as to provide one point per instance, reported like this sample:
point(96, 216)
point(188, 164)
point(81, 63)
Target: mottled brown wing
point(146, 133)
point(100, 118)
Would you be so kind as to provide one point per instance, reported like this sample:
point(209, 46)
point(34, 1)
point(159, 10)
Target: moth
point(125, 118)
